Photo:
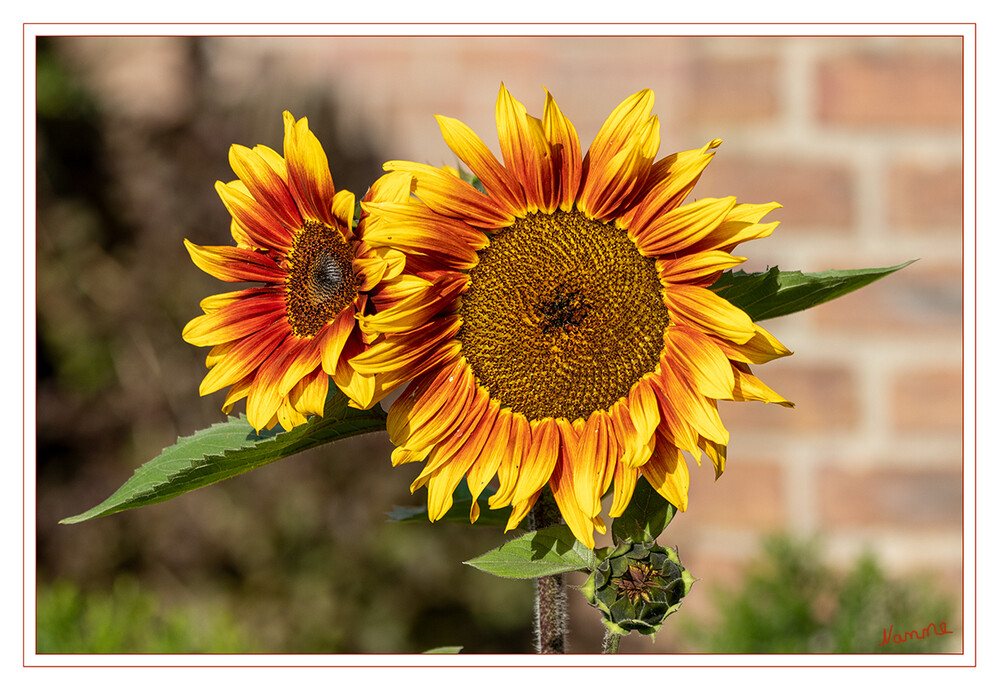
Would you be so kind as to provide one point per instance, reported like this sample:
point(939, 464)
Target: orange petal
point(525, 151)
point(682, 227)
point(309, 175)
point(453, 197)
point(265, 185)
point(261, 228)
point(539, 460)
point(567, 162)
point(667, 473)
point(709, 312)
point(235, 320)
point(707, 366)
point(497, 181)
point(235, 264)
point(625, 478)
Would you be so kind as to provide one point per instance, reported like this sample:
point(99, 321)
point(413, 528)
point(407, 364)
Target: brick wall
point(859, 138)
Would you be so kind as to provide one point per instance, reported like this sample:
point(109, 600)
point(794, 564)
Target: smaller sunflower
point(277, 344)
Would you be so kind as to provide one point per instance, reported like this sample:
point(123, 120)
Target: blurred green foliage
point(128, 620)
point(790, 602)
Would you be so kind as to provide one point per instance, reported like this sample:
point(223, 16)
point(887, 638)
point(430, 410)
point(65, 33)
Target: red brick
point(923, 300)
point(825, 395)
point(813, 194)
point(732, 91)
point(891, 90)
point(926, 198)
point(890, 498)
point(748, 495)
point(928, 400)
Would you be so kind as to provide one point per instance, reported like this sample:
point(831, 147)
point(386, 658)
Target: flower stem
point(612, 641)
point(551, 611)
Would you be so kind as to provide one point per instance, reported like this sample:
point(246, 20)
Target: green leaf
point(549, 551)
point(444, 650)
point(776, 293)
point(227, 449)
point(458, 512)
point(646, 516)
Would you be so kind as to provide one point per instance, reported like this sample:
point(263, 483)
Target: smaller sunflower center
point(320, 281)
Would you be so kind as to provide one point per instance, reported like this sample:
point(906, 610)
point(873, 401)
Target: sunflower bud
point(636, 586)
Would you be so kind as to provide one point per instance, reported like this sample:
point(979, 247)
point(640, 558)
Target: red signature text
point(898, 638)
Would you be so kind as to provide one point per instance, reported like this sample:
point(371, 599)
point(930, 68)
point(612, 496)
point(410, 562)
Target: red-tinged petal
point(417, 229)
point(562, 484)
point(539, 460)
point(525, 151)
point(667, 473)
point(681, 228)
point(422, 398)
point(610, 186)
point(498, 182)
point(740, 225)
point(453, 197)
point(264, 398)
point(567, 160)
point(621, 127)
point(591, 462)
point(265, 185)
point(427, 424)
point(707, 366)
point(634, 449)
point(669, 182)
point(243, 358)
point(234, 264)
point(702, 268)
point(460, 455)
point(709, 312)
point(409, 352)
point(310, 181)
point(488, 462)
point(700, 413)
point(509, 469)
point(675, 411)
point(235, 320)
point(261, 228)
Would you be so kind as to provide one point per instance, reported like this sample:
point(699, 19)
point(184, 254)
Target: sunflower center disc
point(562, 316)
point(320, 280)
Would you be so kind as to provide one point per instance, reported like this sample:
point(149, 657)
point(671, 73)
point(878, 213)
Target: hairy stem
point(551, 611)
point(612, 641)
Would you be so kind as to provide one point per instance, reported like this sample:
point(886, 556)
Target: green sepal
point(646, 516)
point(548, 551)
point(459, 511)
point(445, 650)
point(776, 293)
point(228, 449)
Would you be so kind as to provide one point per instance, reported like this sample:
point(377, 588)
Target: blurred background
point(833, 520)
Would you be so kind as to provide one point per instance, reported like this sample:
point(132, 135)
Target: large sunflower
point(558, 328)
point(277, 344)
